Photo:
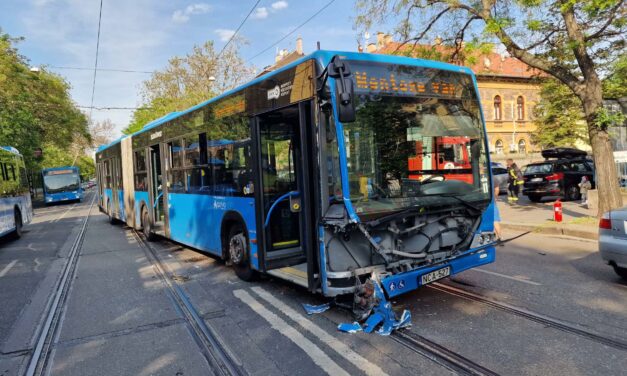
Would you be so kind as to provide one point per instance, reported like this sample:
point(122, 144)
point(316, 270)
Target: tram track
point(54, 312)
point(440, 354)
point(219, 357)
point(552, 322)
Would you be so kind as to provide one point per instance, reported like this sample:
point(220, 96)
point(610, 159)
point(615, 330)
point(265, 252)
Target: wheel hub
point(237, 248)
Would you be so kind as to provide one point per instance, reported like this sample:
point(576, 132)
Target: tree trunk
point(606, 178)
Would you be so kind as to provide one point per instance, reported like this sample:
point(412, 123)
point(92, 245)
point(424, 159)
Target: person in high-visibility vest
point(515, 180)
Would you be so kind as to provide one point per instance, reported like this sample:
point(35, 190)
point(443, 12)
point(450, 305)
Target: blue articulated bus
point(16, 208)
point(330, 169)
point(62, 184)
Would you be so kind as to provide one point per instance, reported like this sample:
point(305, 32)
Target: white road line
point(63, 215)
point(313, 351)
point(7, 268)
point(341, 348)
point(508, 277)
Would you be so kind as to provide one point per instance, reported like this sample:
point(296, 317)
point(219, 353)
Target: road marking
point(63, 215)
point(341, 348)
point(519, 279)
point(278, 324)
point(7, 268)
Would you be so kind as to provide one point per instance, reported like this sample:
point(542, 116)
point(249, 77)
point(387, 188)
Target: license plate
point(435, 275)
point(625, 224)
point(535, 180)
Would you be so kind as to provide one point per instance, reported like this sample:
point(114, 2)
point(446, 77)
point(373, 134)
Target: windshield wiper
point(456, 197)
point(398, 214)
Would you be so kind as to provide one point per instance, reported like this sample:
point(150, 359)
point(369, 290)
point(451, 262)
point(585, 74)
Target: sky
point(141, 35)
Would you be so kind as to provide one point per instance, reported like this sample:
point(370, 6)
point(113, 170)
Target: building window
point(522, 147)
point(497, 108)
point(498, 147)
point(520, 107)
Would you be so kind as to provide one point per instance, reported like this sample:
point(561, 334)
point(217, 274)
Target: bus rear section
point(62, 184)
point(16, 209)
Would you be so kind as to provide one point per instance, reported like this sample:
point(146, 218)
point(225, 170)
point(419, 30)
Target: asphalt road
point(120, 318)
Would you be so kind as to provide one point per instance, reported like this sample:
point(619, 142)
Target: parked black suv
point(558, 175)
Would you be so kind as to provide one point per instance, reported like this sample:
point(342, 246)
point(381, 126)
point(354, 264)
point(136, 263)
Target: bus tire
point(147, 226)
point(112, 219)
point(239, 254)
point(17, 215)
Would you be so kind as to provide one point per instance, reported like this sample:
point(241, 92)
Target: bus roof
point(323, 57)
point(60, 168)
point(10, 149)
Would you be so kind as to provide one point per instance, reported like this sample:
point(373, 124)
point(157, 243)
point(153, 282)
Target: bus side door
point(282, 190)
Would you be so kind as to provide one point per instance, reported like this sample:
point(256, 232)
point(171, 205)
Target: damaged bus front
point(406, 170)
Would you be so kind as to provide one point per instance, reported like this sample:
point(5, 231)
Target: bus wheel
point(238, 254)
point(112, 219)
point(147, 226)
point(17, 233)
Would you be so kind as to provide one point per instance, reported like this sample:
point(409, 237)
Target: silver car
point(613, 240)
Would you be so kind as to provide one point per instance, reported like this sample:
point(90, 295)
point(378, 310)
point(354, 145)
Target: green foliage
point(615, 85)
point(189, 80)
point(559, 119)
point(35, 107)
point(605, 118)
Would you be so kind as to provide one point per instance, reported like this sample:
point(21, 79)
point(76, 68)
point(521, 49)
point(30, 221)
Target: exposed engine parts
point(400, 244)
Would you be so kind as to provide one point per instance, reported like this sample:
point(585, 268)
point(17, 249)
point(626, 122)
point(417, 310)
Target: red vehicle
point(450, 159)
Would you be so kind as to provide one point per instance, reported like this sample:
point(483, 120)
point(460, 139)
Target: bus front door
point(281, 193)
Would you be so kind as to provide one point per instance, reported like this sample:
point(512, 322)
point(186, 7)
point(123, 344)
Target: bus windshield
point(414, 147)
point(61, 183)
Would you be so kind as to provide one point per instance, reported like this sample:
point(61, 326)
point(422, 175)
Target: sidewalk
point(525, 215)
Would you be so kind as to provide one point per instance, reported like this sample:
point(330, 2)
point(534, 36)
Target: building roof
point(490, 64)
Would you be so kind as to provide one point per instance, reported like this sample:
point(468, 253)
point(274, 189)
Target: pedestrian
point(584, 186)
point(497, 213)
point(515, 180)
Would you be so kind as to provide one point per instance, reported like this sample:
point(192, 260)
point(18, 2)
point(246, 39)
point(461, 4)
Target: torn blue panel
point(405, 320)
point(349, 328)
point(386, 328)
point(311, 309)
point(372, 322)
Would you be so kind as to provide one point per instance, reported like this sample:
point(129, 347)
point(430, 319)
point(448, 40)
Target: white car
point(613, 240)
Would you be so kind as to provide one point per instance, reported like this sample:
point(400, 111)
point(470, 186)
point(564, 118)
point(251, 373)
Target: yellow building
point(509, 91)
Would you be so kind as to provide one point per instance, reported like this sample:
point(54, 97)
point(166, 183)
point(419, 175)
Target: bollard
point(557, 211)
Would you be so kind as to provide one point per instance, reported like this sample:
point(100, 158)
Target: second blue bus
point(62, 184)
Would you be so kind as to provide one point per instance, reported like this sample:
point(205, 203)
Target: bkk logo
point(274, 93)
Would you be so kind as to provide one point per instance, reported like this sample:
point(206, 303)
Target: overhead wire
point(93, 87)
point(291, 32)
point(238, 29)
point(98, 69)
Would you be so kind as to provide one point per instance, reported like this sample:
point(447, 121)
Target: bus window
point(176, 153)
point(331, 155)
point(141, 176)
point(192, 151)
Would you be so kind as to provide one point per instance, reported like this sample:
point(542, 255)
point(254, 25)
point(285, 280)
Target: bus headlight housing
point(482, 239)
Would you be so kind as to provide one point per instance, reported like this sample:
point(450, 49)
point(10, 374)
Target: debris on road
point(370, 307)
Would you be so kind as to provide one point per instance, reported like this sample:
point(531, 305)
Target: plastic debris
point(312, 309)
point(350, 328)
point(371, 308)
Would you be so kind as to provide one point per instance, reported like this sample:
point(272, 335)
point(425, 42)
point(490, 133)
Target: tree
point(570, 40)
point(559, 119)
point(190, 80)
point(35, 107)
point(101, 132)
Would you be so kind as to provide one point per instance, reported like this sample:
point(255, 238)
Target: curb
point(551, 229)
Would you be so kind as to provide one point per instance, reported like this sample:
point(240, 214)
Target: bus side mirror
point(344, 90)
point(345, 103)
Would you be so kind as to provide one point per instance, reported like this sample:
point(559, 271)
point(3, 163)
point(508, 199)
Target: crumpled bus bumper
point(404, 282)
point(394, 285)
